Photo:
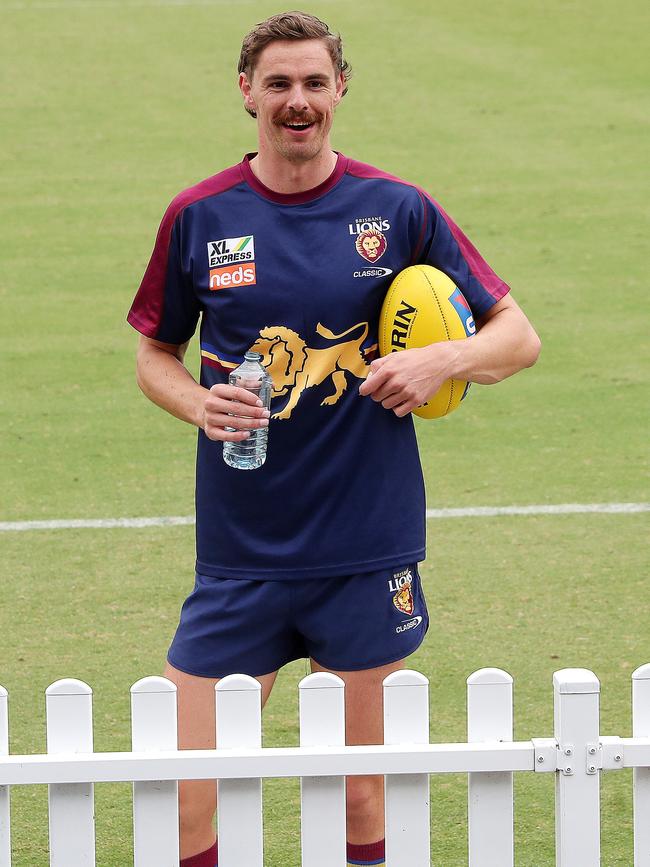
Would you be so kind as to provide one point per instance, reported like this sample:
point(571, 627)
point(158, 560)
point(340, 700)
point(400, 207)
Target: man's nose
point(298, 99)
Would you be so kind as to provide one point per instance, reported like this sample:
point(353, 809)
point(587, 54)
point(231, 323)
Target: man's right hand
point(166, 381)
point(234, 407)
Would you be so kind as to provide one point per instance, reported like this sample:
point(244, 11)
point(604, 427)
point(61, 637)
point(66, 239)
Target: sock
point(366, 854)
point(203, 859)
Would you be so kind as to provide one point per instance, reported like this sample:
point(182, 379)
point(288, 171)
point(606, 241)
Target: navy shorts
point(231, 625)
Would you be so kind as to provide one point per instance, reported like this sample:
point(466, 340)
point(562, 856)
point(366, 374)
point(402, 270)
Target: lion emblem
point(371, 244)
point(294, 366)
point(403, 600)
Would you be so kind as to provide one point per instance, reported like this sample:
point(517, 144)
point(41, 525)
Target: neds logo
point(233, 275)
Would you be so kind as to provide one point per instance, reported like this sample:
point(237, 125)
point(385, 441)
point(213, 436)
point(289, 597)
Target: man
point(315, 554)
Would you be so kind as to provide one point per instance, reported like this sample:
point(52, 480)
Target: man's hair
point(291, 26)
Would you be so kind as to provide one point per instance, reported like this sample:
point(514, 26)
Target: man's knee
point(197, 805)
point(364, 796)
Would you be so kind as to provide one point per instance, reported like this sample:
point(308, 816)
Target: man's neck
point(282, 176)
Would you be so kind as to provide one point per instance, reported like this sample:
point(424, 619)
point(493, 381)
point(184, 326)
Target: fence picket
point(577, 788)
point(489, 796)
point(68, 706)
point(239, 724)
point(322, 723)
point(5, 827)
point(406, 721)
point(155, 804)
point(641, 729)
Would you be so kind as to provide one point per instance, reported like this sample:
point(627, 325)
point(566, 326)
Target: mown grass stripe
point(44, 5)
point(470, 512)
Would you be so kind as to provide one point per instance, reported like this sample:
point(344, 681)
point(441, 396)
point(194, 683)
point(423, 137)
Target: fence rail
point(576, 754)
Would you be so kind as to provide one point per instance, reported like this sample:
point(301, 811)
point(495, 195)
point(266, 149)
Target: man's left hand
point(405, 380)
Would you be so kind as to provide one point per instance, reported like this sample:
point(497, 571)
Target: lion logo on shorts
point(403, 600)
point(295, 367)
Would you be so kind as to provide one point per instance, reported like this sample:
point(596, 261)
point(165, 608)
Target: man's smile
point(297, 124)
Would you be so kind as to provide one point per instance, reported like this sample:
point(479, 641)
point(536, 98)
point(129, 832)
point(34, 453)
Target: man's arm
point(505, 343)
point(163, 377)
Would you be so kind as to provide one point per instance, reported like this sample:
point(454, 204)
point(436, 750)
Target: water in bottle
point(249, 454)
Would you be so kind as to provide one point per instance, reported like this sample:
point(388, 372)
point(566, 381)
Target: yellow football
point(423, 306)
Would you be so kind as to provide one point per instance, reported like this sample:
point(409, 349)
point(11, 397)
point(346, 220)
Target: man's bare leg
point(196, 731)
point(364, 724)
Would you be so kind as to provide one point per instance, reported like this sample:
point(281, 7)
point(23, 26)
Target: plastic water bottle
point(249, 454)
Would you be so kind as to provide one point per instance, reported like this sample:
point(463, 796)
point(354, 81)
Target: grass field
point(530, 126)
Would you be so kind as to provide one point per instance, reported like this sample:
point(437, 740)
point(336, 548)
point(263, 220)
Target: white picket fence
point(576, 755)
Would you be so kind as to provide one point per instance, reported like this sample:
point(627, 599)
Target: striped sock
point(367, 854)
point(203, 859)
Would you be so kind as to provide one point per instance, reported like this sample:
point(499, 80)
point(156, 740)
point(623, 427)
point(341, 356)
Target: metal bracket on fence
point(612, 753)
point(545, 755)
point(608, 755)
point(566, 759)
point(594, 758)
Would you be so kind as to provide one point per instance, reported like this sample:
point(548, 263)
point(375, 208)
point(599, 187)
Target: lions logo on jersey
point(371, 244)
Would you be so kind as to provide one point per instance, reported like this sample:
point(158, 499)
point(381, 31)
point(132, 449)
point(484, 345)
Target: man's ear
point(245, 87)
point(340, 87)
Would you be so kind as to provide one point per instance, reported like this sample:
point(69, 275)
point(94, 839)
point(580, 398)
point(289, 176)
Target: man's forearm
point(166, 381)
point(505, 344)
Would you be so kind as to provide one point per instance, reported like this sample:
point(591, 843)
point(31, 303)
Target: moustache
point(297, 118)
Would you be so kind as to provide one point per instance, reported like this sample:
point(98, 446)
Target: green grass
point(529, 126)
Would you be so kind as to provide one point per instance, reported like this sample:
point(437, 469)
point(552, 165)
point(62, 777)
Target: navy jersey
point(300, 278)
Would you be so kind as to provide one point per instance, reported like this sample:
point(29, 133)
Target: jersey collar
point(294, 198)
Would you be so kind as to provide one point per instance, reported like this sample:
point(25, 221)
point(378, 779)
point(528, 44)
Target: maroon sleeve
point(165, 307)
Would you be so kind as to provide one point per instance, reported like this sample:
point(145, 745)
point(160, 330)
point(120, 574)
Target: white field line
point(475, 512)
point(558, 509)
point(96, 523)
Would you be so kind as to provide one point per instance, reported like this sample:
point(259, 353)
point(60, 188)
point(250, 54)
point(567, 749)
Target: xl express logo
point(232, 262)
